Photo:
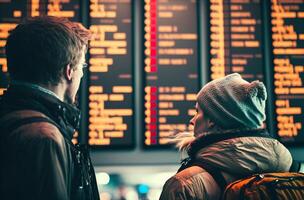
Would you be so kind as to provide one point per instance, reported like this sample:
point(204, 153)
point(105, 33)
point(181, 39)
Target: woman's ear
point(211, 124)
point(68, 72)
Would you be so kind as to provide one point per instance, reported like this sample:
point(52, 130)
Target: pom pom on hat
point(231, 102)
point(257, 89)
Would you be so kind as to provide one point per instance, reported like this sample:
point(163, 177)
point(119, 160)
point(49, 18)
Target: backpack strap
point(214, 172)
point(295, 166)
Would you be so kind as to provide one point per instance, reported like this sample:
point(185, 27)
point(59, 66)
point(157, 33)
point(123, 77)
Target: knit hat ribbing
point(231, 102)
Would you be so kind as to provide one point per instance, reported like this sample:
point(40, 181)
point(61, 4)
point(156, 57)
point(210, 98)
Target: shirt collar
point(35, 86)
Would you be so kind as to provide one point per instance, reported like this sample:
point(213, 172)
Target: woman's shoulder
point(187, 184)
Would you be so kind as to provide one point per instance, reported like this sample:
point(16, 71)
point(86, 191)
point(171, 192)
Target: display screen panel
point(287, 19)
point(236, 39)
point(171, 68)
point(111, 80)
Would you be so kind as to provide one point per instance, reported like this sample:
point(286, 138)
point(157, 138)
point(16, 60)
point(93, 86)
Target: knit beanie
point(231, 102)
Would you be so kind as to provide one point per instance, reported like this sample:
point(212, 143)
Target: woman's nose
point(191, 122)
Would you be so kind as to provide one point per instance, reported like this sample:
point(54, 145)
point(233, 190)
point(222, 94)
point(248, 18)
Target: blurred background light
point(102, 178)
point(143, 188)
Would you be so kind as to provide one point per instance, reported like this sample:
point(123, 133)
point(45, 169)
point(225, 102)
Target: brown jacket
point(237, 158)
point(38, 160)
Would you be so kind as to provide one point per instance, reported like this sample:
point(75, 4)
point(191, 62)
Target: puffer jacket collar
point(208, 138)
point(22, 97)
point(241, 156)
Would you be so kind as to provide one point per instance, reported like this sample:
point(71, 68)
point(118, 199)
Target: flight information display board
point(170, 66)
point(111, 82)
point(287, 19)
point(235, 39)
point(13, 11)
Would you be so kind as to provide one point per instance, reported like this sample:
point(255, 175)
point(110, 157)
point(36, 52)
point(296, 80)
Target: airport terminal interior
point(147, 61)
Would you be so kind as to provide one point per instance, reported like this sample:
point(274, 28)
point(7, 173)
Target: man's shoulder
point(40, 130)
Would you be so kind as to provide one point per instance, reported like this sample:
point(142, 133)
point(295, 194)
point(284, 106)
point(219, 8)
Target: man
point(229, 137)
point(45, 59)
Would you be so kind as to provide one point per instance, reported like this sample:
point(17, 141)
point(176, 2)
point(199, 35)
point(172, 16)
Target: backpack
point(276, 186)
point(267, 186)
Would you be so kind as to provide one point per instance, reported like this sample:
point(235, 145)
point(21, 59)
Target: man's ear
point(68, 72)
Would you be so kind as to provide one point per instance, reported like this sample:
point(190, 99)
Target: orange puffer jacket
point(237, 157)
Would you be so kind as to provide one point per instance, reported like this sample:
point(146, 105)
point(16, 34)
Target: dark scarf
point(20, 97)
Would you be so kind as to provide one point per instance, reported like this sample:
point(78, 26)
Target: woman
point(228, 136)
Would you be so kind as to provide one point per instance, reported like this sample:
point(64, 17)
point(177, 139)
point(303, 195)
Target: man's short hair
point(39, 49)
